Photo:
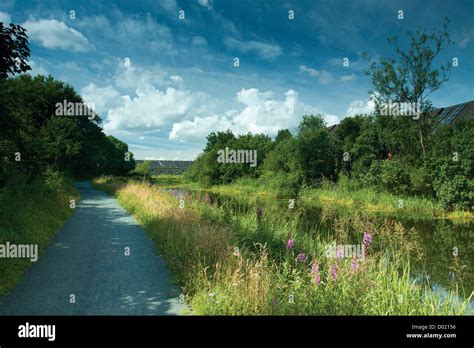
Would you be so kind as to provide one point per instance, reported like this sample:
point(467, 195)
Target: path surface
point(87, 258)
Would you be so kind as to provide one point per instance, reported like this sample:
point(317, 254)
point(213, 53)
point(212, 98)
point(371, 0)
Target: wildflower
point(340, 252)
point(333, 272)
point(259, 213)
point(301, 257)
point(367, 238)
point(290, 244)
point(315, 273)
point(354, 264)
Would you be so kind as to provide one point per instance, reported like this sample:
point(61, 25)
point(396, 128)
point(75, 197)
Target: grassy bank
point(241, 264)
point(336, 196)
point(30, 214)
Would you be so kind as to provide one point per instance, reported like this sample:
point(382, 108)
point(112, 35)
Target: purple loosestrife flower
point(315, 273)
point(340, 252)
point(354, 264)
point(290, 244)
point(334, 272)
point(367, 238)
point(301, 257)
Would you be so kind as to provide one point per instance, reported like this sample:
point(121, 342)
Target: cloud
point(176, 79)
point(137, 32)
point(37, 69)
point(198, 41)
point(261, 113)
point(359, 107)
point(345, 78)
point(263, 50)
point(54, 34)
point(5, 18)
point(154, 108)
point(206, 3)
point(323, 76)
point(197, 129)
point(169, 5)
point(310, 71)
point(104, 98)
point(468, 37)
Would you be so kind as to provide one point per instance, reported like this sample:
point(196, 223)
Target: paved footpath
point(87, 258)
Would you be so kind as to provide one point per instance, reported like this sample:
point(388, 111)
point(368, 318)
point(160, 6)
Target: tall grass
point(31, 213)
point(232, 263)
point(343, 195)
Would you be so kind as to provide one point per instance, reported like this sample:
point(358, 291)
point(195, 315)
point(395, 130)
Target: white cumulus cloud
point(261, 113)
point(359, 107)
point(104, 98)
point(54, 34)
point(154, 108)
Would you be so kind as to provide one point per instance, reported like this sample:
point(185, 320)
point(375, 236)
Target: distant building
point(454, 113)
point(447, 115)
point(167, 167)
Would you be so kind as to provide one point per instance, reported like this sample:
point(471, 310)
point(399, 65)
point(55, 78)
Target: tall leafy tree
point(14, 50)
point(411, 77)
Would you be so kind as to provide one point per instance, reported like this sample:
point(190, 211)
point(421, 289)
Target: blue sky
point(180, 83)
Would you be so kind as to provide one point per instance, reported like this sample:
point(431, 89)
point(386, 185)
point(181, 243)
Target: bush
point(390, 176)
point(394, 177)
point(455, 193)
point(54, 182)
point(421, 182)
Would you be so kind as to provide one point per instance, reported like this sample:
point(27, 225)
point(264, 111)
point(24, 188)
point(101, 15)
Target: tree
point(143, 168)
point(14, 50)
point(283, 134)
point(411, 77)
point(315, 149)
point(74, 144)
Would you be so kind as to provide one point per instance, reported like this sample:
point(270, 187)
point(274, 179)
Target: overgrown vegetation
point(40, 151)
point(241, 262)
point(31, 213)
point(407, 156)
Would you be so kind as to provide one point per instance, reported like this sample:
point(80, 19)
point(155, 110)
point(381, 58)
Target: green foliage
point(31, 212)
point(315, 149)
point(263, 277)
point(142, 169)
point(394, 177)
point(74, 145)
point(452, 162)
point(411, 77)
point(401, 155)
point(285, 185)
point(207, 170)
point(14, 50)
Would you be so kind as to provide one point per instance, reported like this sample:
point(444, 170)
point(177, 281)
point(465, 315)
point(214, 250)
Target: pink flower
point(367, 238)
point(334, 272)
point(315, 273)
point(290, 244)
point(340, 252)
point(301, 257)
point(354, 264)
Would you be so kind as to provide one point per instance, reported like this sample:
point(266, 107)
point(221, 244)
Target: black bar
point(194, 330)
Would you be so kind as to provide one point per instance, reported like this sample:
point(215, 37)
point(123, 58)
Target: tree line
point(34, 141)
point(414, 155)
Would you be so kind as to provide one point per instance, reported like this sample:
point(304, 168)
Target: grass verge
point(239, 264)
point(30, 214)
